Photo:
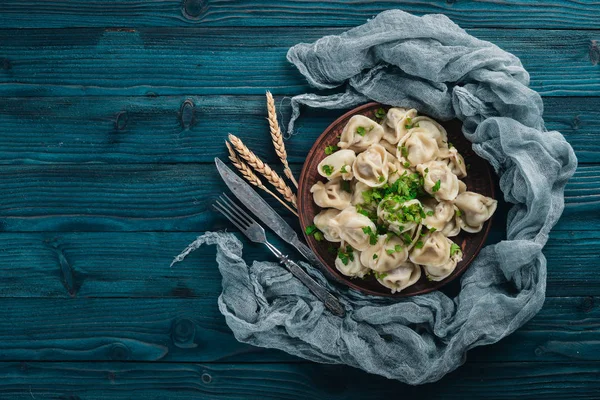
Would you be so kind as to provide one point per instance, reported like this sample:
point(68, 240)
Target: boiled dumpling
point(439, 181)
point(396, 169)
point(400, 278)
point(360, 133)
point(325, 222)
point(391, 148)
point(443, 212)
point(354, 228)
point(433, 129)
point(371, 166)
point(417, 147)
point(332, 194)
point(337, 164)
point(434, 252)
point(386, 255)
point(350, 265)
point(397, 123)
point(475, 209)
point(400, 216)
point(443, 271)
point(455, 161)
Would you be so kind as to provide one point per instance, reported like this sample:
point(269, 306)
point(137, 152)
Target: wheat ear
point(277, 138)
point(262, 168)
point(251, 177)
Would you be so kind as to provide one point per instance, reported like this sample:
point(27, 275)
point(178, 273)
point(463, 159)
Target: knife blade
point(263, 211)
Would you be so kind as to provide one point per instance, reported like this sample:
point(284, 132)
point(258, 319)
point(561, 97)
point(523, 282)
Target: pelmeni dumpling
point(452, 227)
point(475, 210)
point(333, 194)
point(417, 147)
point(439, 181)
point(397, 123)
point(443, 212)
point(435, 251)
point(455, 161)
point(396, 169)
point(462, 187)
point(352, 226)
point(337, 164)
point(386, 255)
point(352, 266)
point(400, 216)
point(391, 148)
point(443, 271)
point(371, 166)
point(405, 275)
point(433, 129)
point(325, 222)
point(359, 133)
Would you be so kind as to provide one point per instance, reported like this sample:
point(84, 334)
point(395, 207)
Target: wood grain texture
point(137, 264)
point(118, 129)
point(175, 330)
point(507, 14)
point(201, 61)
point(115, 381)
point(172, 197)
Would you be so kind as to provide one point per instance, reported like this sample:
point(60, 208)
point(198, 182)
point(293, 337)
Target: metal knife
point(263, 211)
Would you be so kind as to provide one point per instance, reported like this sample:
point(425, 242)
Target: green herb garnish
point(380, 113)
point(419, 244)
point(327, 169)
point(360, 131)
point(312, 230)
point(346, 256)
point(429, 213)
point(380, 275)
point(372, 235)
point(381, 178)
point(437, 186)
point(407, 165)
point(318, 236)
point(343, 170)
point(431, 230)
point(454, 248)
point(375, 256)
point(329, 150)
point(346, 186)
point(404, 151)
point(458, 212)
point(406, 238)
point(408, 124)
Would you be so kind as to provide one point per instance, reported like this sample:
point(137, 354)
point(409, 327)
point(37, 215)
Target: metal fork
point(256, 233)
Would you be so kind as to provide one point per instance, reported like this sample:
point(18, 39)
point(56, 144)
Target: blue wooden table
point(111, 112)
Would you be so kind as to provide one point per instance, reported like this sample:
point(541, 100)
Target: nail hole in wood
point(121, 121)
point(187, 114)
point(206, 378)
point(193, 9)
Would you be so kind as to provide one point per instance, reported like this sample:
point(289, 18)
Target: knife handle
point(317, 289)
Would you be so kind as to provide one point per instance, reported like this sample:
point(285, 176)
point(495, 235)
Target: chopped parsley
point(360, 131)
point(404, 151)
point(431, 230)
point(372, 235)
point(381, 178)
point(312, 230)
point(397, 249)
point(380, 275)
point(327, 169)
point(458, 212)
point(437, 186)
point(429, 213)
point(371, 128)
point(380, 113)
point(454, 248)
point(450, 145)
point(408, 124)
point(407, 165)
point(406, 238)
point(346, 256)
point(419, 244)
point(343, 170)
point(329, 150)
point(375, 256)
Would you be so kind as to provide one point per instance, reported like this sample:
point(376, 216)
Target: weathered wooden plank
point(163, 61)
point(507, 14)
point(119, 129)
point(175, 330)
point(170, 197)
point(178, 381)
point(136, 264)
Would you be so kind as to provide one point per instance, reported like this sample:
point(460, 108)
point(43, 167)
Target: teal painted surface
point(110, 114)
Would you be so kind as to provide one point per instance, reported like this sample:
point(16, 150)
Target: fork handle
point(332, 303)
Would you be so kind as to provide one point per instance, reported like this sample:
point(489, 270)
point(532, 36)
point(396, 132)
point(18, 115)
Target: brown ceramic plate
point(479, 179)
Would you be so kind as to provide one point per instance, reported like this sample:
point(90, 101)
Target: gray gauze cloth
point(430, 64)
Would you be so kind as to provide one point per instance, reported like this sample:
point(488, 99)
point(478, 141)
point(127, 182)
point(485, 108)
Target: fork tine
point(227, 212)
point(240, 210)
point(233, 213)
point(229, 217)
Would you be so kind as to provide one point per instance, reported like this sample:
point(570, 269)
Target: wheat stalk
point(277, 138)
point(251, 177)
point(271, 176)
